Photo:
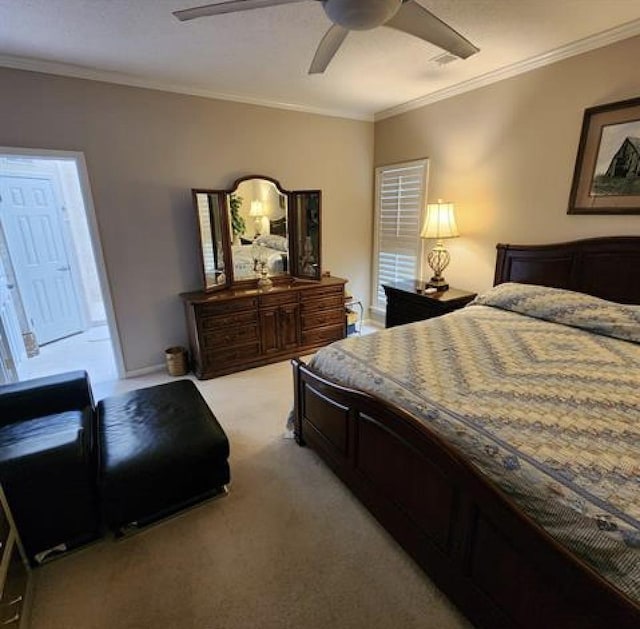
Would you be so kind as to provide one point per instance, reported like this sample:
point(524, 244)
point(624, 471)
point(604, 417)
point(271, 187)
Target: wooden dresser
point(14, 573)
point(238, 328)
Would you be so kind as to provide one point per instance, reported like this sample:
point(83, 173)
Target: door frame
point(94, 234)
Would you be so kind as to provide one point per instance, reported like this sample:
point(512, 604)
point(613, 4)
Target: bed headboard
point(606, 267)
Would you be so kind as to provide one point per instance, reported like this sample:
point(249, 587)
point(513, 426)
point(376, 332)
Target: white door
point(33, 224)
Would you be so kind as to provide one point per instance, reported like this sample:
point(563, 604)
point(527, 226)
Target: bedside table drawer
point(406, 305)
point(401, 311)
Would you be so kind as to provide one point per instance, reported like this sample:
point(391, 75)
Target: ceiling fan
point(356, 15)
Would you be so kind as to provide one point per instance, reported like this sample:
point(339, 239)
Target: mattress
point(539, 389)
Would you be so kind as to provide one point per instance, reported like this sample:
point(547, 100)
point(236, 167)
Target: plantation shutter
point(400, 195)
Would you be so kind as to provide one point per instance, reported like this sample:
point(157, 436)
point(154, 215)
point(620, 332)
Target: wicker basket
point(177, 363)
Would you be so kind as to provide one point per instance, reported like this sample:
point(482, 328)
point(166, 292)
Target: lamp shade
point(256, 209)
point(440, 221)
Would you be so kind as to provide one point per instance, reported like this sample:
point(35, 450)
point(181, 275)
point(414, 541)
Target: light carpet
point(288, 547)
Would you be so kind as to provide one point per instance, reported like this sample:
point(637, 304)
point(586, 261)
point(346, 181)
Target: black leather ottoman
point(161, 449)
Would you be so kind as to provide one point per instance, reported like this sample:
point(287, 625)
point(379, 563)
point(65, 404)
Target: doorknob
point(11, 286)
point(64, 268)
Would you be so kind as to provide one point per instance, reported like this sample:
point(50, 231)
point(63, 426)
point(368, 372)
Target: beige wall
point(505, 155)
point(146, 149)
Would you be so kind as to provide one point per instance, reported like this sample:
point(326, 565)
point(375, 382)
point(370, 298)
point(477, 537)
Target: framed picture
point(606, 179)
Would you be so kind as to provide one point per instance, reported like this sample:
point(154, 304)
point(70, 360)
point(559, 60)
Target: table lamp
point(439, 223)
point(256, 211)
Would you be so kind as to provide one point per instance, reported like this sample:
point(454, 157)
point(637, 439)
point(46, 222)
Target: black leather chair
point(48, 461)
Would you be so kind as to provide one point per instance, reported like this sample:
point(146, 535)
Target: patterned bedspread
point(243, 262)
point(547, 405)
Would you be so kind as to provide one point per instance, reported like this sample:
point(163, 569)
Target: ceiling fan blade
point(414, 19)
point(328, 47)
point(227, 7)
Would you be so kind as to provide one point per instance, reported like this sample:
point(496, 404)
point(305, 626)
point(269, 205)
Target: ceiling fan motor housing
point(359, 15)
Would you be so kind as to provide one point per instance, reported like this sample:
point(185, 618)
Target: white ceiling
point(263, 55)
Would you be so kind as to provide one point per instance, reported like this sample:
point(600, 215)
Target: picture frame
point(606, 178)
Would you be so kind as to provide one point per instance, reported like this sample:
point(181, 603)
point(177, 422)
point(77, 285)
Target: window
point(400, 197)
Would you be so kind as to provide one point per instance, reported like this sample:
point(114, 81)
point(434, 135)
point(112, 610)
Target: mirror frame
point(224, 224)
point(292, 227)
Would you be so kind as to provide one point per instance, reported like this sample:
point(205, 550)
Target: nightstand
point(406, 302)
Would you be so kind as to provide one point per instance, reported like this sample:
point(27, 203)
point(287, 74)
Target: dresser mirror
point(258, 230)
point(306, 241)
point(212, 214)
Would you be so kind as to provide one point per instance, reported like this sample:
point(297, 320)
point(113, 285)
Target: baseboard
point(134, 373)
point(376, 316)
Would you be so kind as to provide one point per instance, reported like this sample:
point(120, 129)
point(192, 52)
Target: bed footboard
point(494, 563)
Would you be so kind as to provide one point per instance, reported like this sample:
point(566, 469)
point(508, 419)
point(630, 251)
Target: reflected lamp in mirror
point(439, 223)
point(257, 212)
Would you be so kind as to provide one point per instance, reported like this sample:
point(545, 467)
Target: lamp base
point(265, 283)
point(439, 283)
point(438, 260)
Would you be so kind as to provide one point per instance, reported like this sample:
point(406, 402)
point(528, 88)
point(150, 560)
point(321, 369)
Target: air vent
point(444, 59)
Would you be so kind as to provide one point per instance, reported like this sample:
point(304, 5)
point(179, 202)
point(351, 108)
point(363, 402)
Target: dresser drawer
point(279, 298)
point(14, 591)
point(230, 335)
point(322, 291)
point(223, 307)
point(325, 303)
point(324, 317)
point(215, 359)
point(224, 321)
point(323, 335)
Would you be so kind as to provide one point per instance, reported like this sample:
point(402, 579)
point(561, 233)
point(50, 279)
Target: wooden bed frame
point(495, 563)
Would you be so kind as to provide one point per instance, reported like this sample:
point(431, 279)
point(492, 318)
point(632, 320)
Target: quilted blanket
point(540, 389)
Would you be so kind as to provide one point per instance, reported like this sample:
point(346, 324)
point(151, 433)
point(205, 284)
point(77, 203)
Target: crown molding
point(82, 72)
point(611, 36)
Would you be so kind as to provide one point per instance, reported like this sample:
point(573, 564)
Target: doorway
point(55, 310)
